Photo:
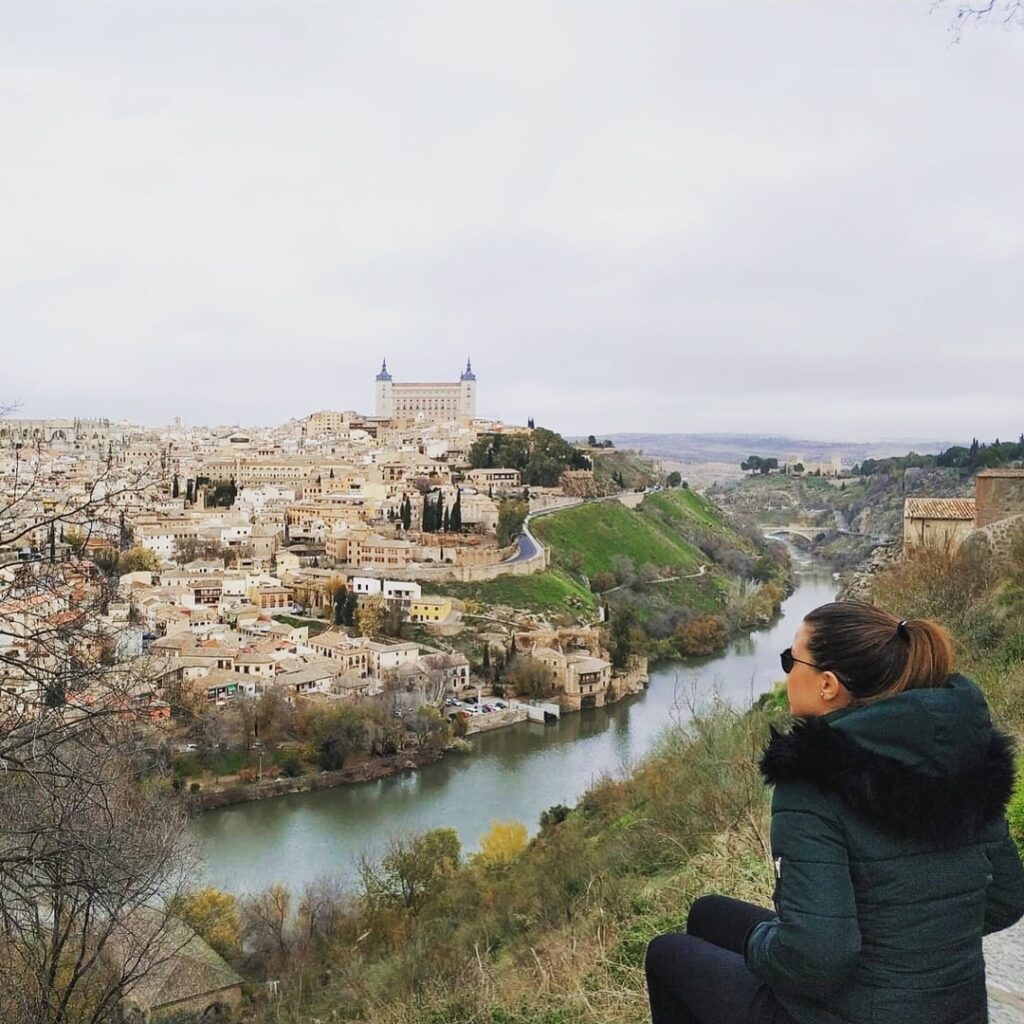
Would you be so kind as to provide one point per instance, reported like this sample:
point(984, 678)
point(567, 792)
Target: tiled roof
point(939, 508)
point(182, 967)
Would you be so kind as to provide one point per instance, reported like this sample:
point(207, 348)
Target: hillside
point(696, 448)
point(553, 930)
point(615, 467)
point(868, 509)
point(685, 574)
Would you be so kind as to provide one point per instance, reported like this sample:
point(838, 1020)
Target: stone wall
point(998, 494)
point(996, 538)
point(229, 998)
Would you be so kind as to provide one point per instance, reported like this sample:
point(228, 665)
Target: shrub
point(1015, 811)
point(704, 635)
point(289, 762)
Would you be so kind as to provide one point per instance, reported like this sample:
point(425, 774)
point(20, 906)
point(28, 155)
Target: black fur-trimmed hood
point(926, 764)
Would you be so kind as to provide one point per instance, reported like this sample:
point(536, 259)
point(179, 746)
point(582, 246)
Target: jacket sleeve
point(813, 946)
point(1004, 898)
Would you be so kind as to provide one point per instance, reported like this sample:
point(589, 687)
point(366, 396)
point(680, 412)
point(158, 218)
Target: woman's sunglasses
point(788, 661)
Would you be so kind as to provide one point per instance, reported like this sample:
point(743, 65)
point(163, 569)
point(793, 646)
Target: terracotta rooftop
point(939, 508)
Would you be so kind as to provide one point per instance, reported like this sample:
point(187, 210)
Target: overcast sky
point(795, 217)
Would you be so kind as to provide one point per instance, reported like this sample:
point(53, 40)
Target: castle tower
point(385, 392)
point(467, 393)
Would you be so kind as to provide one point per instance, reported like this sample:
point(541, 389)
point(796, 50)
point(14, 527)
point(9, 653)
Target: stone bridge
point(795, 530)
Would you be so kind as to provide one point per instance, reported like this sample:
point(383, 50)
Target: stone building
point(430, 402)
point(990, 520)
point(184, 978)
point(936, 522)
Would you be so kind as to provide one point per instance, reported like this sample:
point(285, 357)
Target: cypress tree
point(447, 522)
point(456, 515)
point(175, 490)
point(351, 606)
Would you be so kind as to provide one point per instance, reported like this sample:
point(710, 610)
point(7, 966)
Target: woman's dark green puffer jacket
point(892, 859)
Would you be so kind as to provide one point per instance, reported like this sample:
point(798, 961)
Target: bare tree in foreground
point(90, 853)
point(89, 862)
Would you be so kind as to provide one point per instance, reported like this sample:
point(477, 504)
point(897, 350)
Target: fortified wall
point(998, 494)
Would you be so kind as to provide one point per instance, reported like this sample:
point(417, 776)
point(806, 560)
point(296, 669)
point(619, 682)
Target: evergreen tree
point(485, 661)
point(446, 522)
point(406, 512)
point(189, 496)
point(455, 519)
point(175, 490)
point(351, 608)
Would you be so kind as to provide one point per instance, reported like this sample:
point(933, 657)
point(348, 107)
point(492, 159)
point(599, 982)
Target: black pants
point(700, 977)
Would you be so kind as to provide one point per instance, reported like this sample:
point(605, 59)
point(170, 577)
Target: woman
point(892, 854)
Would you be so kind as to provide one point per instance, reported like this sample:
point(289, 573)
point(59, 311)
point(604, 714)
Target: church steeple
point(384, 375)
point(469, 374)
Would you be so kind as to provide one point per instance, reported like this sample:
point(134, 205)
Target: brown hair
point(875, 654)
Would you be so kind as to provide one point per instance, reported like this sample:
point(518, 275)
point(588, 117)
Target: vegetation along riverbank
point(559, 923)
point(673, 577)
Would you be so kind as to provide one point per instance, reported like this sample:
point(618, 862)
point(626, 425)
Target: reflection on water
point(513, 773)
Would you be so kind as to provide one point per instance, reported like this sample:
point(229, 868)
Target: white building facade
point(431, 402)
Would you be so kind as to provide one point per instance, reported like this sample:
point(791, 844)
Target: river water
point(514, 773)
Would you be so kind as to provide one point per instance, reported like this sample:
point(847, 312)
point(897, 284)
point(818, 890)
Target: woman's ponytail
point(929, 655)
point(875, 654)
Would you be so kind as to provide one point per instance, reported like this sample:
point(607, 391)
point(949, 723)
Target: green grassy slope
point(542, 592)
point(663, 537)
point(589, 537)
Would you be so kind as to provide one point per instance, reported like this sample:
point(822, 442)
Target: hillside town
point(221, 564)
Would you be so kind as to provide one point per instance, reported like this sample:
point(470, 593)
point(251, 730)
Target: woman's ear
point(832, 691)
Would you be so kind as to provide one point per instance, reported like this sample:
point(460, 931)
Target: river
point(514, 773)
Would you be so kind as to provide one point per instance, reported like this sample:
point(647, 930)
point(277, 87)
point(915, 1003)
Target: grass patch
point(541, 592)
point(682, 506)
point(588, 538)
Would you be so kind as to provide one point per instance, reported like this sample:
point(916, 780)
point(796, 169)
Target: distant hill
point(700, 448)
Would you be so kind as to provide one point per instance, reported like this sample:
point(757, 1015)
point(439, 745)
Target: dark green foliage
point(511, 516)
point(222, 495)
point(554, 815)
point(756, 464)
point(967, 458)
point(541, 458)
point(340, 606)
point(455, 518)
point(674, 479)
point(622, 625)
